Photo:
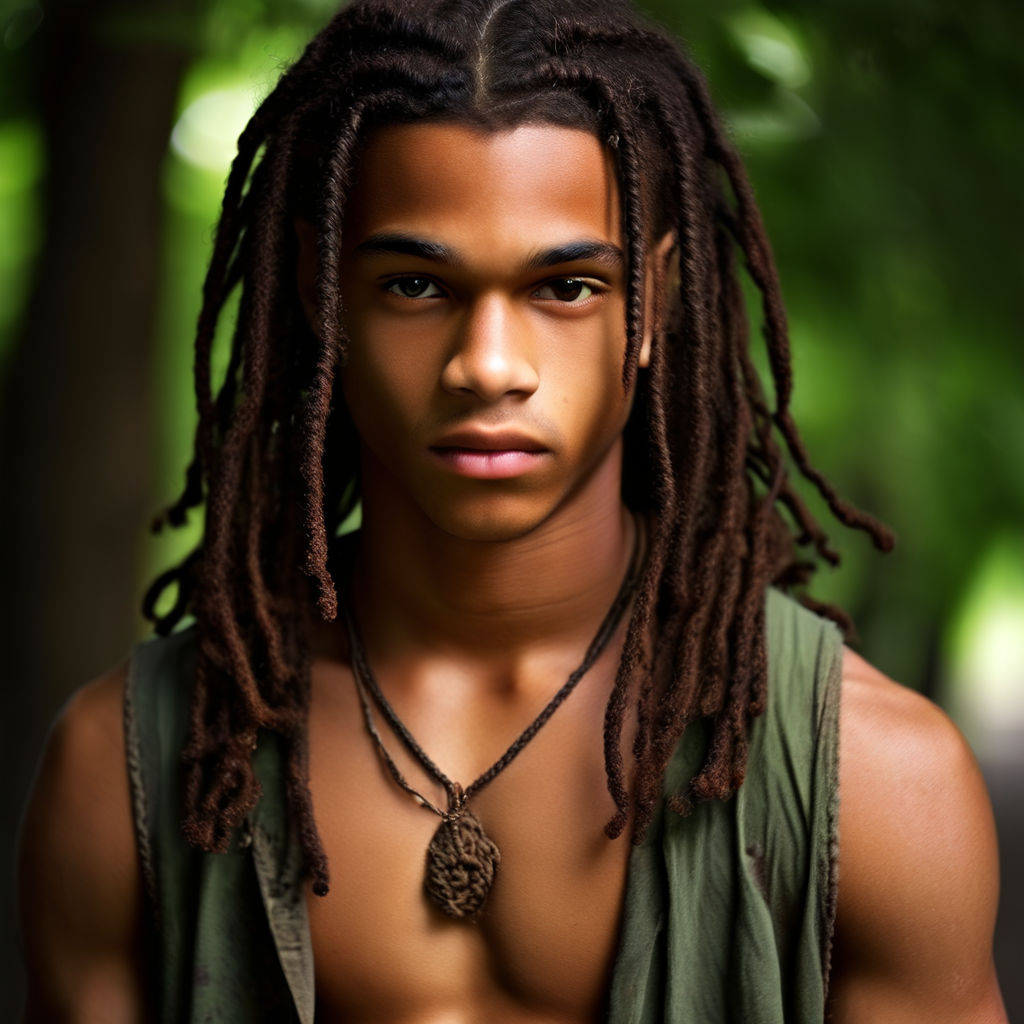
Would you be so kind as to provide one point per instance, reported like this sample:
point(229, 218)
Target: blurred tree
point(74, 462)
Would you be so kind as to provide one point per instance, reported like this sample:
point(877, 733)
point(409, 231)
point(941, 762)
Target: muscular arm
point(79, 889)
point(918, 871)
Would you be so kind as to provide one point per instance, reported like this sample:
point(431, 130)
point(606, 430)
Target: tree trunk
point(75, 446)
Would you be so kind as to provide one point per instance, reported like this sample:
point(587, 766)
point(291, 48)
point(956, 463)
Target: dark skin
point(479, 582)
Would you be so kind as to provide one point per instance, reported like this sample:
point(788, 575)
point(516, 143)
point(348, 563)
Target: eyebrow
point(407, 245)
point(393, 243)
point(573, 252)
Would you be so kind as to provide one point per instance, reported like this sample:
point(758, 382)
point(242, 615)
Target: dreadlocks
point(275, 459)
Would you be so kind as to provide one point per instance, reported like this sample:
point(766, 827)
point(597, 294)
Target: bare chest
point(542, 948)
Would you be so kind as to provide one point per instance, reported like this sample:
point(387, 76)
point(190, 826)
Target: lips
point(489, 454)
point(483, 440)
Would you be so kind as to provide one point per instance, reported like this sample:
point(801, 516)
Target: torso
point(544, 947)
point(933, 883)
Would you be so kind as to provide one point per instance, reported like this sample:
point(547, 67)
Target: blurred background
point(886, 144)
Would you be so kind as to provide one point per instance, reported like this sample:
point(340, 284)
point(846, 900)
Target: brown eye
point(414, 288)
point(566, 289)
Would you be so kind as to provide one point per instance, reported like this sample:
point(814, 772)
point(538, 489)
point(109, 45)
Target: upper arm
point(79, 886)
point(918, 868)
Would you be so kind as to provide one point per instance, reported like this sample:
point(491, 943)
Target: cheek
point(401, 356)
point(382, 391)
point(390, 366)
point(592, 384)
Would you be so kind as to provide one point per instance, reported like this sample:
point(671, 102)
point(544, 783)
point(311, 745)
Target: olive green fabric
point(728, 913)
point(229, 931)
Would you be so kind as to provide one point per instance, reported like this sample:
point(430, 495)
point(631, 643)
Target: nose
point(493, 353)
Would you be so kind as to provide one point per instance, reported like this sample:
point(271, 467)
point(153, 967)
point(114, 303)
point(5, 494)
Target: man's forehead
point(540, 185)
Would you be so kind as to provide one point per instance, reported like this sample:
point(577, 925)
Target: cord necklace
point(462, 859)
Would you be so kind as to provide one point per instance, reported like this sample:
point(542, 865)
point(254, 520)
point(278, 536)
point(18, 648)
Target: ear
point(659, 278)
point(306, 268)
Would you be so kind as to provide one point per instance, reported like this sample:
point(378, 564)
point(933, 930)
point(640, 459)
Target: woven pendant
point(462, 861)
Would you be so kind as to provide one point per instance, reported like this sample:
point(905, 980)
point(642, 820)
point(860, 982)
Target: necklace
point(462, 859)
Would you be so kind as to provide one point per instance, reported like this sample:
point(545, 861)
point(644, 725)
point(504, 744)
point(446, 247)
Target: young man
point(488, 293)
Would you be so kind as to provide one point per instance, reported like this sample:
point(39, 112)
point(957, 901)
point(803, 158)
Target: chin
point(489, 524)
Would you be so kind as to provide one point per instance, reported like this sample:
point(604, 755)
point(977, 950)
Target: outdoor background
point(886, 143)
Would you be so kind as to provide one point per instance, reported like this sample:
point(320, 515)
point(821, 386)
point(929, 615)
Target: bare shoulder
point(918, 867)
point(892, 734)
point(79, 887)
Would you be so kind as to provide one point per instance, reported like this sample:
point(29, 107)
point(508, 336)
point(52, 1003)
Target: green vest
point(728, 913)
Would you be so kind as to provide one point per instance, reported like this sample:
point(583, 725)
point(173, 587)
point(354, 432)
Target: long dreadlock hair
point(706, 450)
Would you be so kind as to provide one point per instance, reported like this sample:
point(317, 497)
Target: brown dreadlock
point(275, 459)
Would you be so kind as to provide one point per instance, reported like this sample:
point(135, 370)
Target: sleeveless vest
point(728, 913)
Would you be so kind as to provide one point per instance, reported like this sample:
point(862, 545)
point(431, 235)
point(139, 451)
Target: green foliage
point(20, 169)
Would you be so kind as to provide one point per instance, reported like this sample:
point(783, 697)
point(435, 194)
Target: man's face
point(483, 283)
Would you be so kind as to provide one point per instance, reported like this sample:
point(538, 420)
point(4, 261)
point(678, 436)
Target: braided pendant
point(462, 861)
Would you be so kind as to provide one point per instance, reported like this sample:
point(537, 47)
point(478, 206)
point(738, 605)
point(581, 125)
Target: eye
point(571, 290)
point(413, 288)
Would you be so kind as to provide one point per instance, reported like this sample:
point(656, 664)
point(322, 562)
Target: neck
point(416, 585)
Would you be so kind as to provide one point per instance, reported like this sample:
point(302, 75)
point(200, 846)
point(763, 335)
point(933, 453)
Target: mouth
point(489, 454)
point(481, 440)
